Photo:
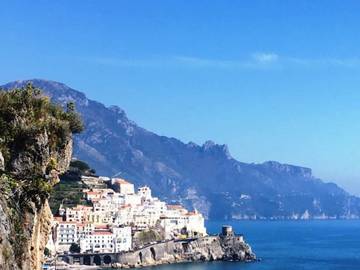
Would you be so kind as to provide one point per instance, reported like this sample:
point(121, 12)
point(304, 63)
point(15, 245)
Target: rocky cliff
point(35, 147)
point(210, 248)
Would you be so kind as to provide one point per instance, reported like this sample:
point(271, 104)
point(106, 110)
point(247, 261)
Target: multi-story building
point(97, 242)
point(66, 234)
point(107, 225)
point(178, 221)
point(78, 213)
point(116, 239)
point(123, 186)
point(122, 239)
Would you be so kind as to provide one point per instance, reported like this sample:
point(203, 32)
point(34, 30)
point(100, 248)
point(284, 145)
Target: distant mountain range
point(205, 177)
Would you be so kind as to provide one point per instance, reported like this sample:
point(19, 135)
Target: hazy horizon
point(236, 74)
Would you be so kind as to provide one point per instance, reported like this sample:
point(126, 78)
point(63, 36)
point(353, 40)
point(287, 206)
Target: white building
point(122, 239)
point(116, 239)
point(178, 221)
point(132, 199)
point(106, 226)
point(144, 193)
point(66, 234)
point(97, 242)
point(77, 214)
point(123, 186)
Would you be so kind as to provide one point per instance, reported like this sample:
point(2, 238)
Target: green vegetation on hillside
point(30, 124)
point(69, 191)
point(26, 114)
point(82, 167)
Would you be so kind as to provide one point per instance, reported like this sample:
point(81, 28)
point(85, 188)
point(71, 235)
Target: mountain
point(205, 176)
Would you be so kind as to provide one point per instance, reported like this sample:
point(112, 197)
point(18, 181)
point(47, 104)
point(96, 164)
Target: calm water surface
point(304, 245)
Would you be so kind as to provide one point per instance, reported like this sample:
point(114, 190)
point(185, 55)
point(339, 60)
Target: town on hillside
point(116, 219)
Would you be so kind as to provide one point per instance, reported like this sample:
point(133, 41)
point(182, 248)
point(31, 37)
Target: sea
point(290, 245)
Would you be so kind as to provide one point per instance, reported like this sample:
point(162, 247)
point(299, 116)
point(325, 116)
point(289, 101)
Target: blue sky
point(275, 80)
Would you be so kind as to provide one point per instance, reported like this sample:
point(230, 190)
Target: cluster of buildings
point(114, 215)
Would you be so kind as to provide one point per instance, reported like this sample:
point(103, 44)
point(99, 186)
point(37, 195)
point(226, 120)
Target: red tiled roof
point(93, 192)
point(58, 218)
point(101, 226)
point(102, 233)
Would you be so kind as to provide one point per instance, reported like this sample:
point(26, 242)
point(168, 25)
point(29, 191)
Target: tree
point(47, 252)
point(82, 166)
point(76, 124)
point(79, 164)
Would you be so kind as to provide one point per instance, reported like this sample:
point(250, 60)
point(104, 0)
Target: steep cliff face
point(25, 225)
point(35, 147)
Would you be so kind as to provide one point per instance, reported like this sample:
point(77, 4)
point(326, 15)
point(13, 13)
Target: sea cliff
point(35, 147)
point(210, 248)
point(226, 246)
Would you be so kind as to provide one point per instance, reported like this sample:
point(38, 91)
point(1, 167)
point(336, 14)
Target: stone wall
point(210, 248)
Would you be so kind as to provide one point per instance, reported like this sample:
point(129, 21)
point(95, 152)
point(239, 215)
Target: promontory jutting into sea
point(122, 228)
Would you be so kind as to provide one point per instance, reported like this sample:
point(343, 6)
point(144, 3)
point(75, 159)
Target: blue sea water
point(283, 245)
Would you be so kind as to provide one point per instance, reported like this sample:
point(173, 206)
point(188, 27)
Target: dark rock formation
point(202, 176)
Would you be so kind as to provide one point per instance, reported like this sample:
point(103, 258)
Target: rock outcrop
point(35, 147)
point(210, 248)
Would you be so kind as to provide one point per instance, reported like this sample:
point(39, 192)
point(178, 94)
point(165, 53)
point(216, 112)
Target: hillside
point(203, 176)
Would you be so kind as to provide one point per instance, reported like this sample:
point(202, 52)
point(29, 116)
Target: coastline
point(226, 246)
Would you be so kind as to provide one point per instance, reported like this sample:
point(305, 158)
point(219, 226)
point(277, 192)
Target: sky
point(274, 80)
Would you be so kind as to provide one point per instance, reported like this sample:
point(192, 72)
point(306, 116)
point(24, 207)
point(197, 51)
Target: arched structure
point(97, 259)
point(141, 257)
point(107, 259)
point(153, 253)
point(87, 260)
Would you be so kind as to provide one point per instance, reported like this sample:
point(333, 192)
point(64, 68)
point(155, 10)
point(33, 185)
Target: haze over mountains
point(205, 176)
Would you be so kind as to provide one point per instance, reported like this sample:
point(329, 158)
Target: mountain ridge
point(205, 176)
